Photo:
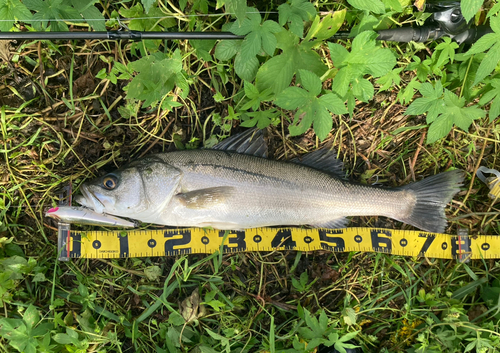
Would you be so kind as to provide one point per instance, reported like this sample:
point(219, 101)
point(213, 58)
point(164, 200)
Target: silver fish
point(234, 187)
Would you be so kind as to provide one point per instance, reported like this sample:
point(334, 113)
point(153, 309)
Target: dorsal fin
point(249, 142)
point(323, 159)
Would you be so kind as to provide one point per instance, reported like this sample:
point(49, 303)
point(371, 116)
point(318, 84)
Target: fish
point(82, 215)
point(235, 186)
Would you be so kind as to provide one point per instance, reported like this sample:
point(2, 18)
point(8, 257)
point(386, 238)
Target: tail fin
point(433, 194)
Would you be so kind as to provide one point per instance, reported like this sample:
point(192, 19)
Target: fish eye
point(110, 182)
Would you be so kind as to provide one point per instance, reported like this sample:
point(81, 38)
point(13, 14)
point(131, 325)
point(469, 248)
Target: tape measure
point(170, 242)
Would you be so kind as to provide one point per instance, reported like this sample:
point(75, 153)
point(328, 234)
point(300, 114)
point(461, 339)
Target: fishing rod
point(446, 20)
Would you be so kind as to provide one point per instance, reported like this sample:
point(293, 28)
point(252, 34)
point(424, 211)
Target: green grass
point(70, 112)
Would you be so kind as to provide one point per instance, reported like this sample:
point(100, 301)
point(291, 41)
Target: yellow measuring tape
point(142, 243)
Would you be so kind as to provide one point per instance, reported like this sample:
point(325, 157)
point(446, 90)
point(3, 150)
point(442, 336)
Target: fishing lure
point(83, 215)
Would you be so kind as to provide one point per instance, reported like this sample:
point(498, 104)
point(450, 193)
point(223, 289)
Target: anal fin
point(340, 222)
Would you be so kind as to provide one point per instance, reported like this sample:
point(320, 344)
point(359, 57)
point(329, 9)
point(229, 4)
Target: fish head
point(139, 190)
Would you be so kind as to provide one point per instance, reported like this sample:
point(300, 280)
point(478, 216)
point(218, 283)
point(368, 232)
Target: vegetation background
point(73, 110)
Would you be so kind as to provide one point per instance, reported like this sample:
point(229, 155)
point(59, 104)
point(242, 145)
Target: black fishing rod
point(446, 20)
point(117, 35)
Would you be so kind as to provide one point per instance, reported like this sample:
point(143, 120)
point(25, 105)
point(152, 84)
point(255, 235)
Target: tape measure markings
point(120, 244)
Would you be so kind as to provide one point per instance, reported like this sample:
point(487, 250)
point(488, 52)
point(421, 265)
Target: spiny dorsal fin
point(249, 142)
point(323, 159)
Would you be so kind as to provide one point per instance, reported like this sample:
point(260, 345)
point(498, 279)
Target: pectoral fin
point(205, 198)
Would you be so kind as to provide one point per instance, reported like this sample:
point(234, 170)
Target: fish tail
point(432, 196)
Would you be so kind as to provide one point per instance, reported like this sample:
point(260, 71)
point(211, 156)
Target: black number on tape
point(428, 242)
point(124, 248)
point(331, 243)
point(239, 241)
point(284, 238)
point(170, 243)
point(381, 240)
point(77, 245)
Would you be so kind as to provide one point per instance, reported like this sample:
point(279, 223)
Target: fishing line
point(135, 18)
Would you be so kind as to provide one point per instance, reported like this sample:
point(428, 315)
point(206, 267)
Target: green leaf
point(493, 96)
point(405, 95)
point(460, 115)
point(310, 82)
point(238, 7)
point(277, 72)
point(255, 97)
point(327, 27)
point(31, 316)
point(494, 10)
point(322, 121)
point(293, 98)
point(432, 101)
point(147, 4)
point(446, 51)
point(333, 103)
point(470, 7)
point(157, 75)
point(10, 11)
point(90, 13)
point(349, 336)
point(490, 42)
point(260, 118)
point(62, 338)
point(482, 44)
point(295, 12)
point(439, 128)
point(246, 67)
point(375, 6)
point(422, 67)
point(489, 63)
point(389, 80)
point(365, 58)
point(362, 89)
point(452, 113)
point(51, 13)
point(312, 110)
point(203, 48)
point(394, 5)
point(227, 49)
point(257, 36)
point(349, 316)
point(142, 21)
point(323, 321)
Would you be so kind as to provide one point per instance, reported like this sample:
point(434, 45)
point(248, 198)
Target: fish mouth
point(90, 200)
